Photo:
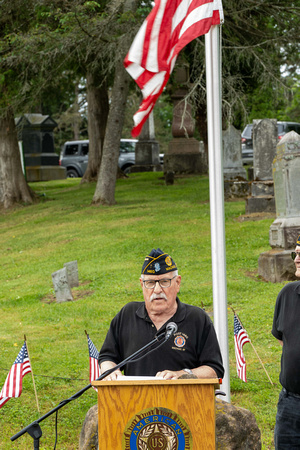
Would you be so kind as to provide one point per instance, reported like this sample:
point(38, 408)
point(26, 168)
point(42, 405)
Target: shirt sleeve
point(276, 319)
point(110, 350)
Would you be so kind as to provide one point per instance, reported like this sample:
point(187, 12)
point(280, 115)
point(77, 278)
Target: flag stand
point(253, 348)
point(36, 397)
point(34, 429)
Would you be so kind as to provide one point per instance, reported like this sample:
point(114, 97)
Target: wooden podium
point(144, 414)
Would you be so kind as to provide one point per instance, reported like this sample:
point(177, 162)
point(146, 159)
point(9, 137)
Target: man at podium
point(193, 348)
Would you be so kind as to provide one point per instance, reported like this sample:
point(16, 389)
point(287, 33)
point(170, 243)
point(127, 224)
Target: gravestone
point(41, 162)
point(72, 273)
point(235, 176)
point(276, 265)
point(185, 154)
point(264, 148)
point(147, 149)
point(61, 286)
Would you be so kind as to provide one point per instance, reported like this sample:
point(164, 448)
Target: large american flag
point(170, 26)
point(94, 365)
point(240, 338)
point(13, 383)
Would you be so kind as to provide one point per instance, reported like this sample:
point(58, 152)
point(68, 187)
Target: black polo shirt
point(193, 345)
point(286, 327)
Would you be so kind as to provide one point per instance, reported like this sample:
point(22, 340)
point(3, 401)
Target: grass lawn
point(109, 244)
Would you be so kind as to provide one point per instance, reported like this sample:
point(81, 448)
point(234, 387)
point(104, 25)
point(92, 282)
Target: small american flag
point(94, 365)
point(169, 27)
point(13, 383)
point(240, 338)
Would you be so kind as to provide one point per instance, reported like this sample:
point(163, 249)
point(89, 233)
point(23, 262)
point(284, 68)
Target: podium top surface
point(150, 381)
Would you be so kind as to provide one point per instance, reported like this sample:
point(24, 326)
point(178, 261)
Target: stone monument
point(264, 147)
point(235, 176)
point(147, 149)
point(41, 162)
point(61, 286)
point(72, 273)
point(185, 154)
point(276, 265)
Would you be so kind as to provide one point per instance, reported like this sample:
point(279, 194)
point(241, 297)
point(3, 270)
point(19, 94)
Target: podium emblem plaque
point(157, 429)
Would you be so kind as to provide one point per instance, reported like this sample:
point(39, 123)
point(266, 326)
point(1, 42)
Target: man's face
point(161, 300)
point(297, 261)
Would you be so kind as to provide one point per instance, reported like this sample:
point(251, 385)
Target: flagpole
point(253, 347)
point(36, 397)
point(216, 189)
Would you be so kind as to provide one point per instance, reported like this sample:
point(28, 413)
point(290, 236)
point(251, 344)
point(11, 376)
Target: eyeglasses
point(294, 254)
point(164, 283)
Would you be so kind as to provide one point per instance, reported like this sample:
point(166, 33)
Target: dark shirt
point(286, 327)
point(193, 345)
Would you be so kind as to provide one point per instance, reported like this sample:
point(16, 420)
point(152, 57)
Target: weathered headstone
point(232, 154)
point(276, 265)
point(72, 273)
point(235, 176)
point(185, 154)
point(41, 161)
point(264, 147)
point(61, 286)
point(147, 149)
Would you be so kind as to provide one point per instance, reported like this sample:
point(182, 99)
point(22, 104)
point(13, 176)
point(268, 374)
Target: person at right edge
point(286, 328)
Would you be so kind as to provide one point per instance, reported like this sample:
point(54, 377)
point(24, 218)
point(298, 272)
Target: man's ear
point(141, 281)
point(178, 282)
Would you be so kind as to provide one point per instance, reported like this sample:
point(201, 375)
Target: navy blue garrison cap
point(158, 263)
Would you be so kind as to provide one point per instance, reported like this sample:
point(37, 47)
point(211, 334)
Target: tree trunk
point(76, 115)
point(106, 183)
point(105, 189)
point(98, 108)
point(13, 186)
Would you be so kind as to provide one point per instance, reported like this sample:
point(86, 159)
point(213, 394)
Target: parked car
point(75, 155)
point(247, 144)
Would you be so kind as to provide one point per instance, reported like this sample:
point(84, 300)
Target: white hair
point(175, 272)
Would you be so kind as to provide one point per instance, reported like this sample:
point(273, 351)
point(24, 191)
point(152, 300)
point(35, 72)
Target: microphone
point(171, 328)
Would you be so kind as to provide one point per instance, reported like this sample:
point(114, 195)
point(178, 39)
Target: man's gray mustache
point(154, 296)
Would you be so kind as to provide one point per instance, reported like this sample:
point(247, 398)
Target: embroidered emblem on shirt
point(179, 341)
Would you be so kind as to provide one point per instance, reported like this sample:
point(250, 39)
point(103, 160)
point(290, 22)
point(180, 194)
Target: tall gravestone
point(41, 162)
point(235, 176)
point(276, 265)
point(185, 154)
point(264, 148)
point(147, 149)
